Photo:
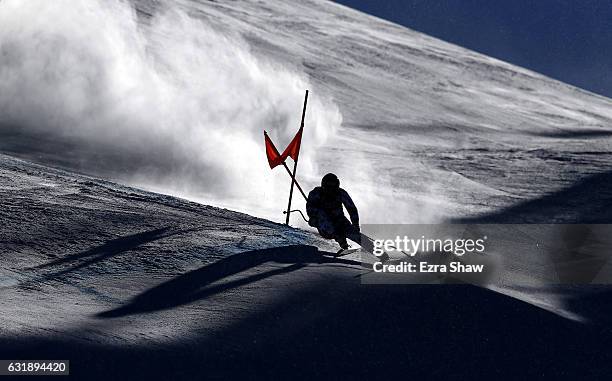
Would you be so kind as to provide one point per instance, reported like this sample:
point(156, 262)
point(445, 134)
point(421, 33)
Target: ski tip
point(343, 252)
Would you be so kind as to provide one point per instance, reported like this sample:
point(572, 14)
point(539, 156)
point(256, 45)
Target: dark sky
point(570, 40)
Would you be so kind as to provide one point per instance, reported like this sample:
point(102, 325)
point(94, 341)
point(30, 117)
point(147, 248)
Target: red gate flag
point(292, 150)
point(271, 152)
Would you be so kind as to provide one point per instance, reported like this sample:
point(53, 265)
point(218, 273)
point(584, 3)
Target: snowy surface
point(175, 96)
point(129, 284)
point(72, 244)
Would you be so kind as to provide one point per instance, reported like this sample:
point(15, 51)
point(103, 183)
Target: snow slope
point(135, 285)
point(132, 284)
point(74, 246)
point(175, 95)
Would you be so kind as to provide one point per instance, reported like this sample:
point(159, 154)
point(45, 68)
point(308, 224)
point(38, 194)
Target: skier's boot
point(344, 246)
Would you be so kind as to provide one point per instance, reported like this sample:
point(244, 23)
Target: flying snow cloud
point(172, 104)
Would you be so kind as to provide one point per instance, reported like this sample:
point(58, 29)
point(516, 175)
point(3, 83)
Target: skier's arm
point(312, 207)
point(350, 208)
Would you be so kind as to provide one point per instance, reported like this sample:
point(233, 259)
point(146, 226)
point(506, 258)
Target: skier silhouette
point(324, 208)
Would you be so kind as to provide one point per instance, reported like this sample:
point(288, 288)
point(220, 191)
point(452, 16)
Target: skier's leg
point(353, 233)
point(342, 242)
point(342, 229)
point(365, 242)
point(325, 227)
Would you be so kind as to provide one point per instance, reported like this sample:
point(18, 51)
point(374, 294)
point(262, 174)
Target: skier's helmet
point(330, 182)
